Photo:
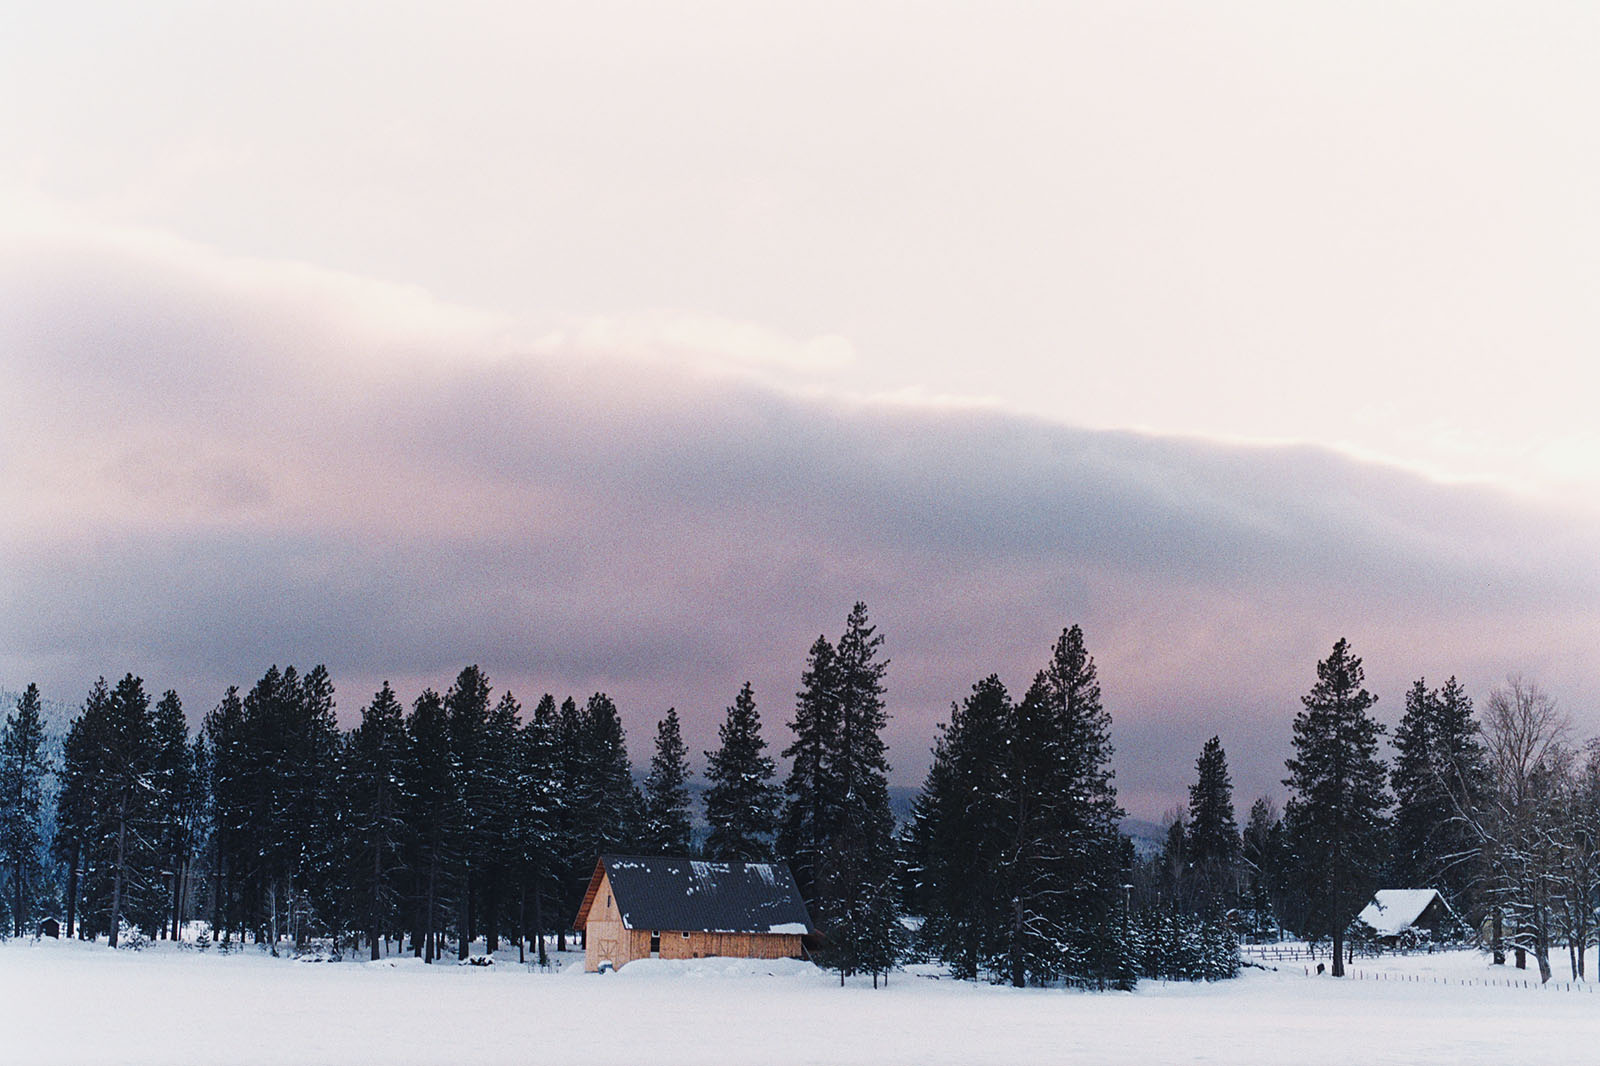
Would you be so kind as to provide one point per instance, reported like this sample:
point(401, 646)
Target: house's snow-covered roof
point(1395, 909)
point(719, 897)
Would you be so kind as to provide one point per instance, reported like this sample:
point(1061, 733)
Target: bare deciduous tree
point(1525, 834)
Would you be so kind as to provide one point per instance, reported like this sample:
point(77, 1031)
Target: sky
point(624, 346)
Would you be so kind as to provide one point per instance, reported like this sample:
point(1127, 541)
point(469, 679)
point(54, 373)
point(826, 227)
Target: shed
point(1394, 912)
point(677, 908)
point(50, 928)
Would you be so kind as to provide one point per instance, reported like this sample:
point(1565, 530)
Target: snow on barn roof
point(688, 895)
point(1395, 909)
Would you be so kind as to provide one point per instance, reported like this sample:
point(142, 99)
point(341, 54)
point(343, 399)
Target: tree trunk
point(522, 925)
point(1497, 938)
point(116, 878)
point(18, 915)
point(377, 897)
point(427, 918)
point(491, 916)
point(72, 887)
point(1019, 976)
point(464, 932)
point(272, 914)
point(538, 925)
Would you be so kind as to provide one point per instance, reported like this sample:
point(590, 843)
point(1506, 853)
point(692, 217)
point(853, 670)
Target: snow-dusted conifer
point(1336, 819)
point(742, 800)
point(23, 767)
point(1211, 840)
point(666, 791)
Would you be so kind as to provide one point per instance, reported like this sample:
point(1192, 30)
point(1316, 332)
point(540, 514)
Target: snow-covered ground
point(82, 1004)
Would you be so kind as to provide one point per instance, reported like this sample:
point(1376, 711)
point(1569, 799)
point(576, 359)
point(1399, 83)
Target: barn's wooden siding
point(699, 945)
point(608, 940)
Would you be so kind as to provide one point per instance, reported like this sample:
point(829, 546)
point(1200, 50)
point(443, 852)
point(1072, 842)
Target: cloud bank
point(214, 464)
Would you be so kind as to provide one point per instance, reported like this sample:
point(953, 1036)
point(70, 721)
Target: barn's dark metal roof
point(692, 896)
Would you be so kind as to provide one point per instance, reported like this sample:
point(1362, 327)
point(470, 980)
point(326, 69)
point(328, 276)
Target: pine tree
point(1211, 843)
point(500, 765)
point(229, 789)
point(1262, 854)
point(282, 775)
point(434, 817)
point(1440, 782)
point(811, 810)
point(1061, 871)
point(175, 799)
point(619, 809)
point(1336, 818)
point(958, 827)
point(742, 802)
point(374, 766)
point(666, 791)
point(23, 767)
point(467, 707)
point(540, 815)
point(856, 885)
point(77, 821)
point(577, 830)
point(124, 793)
point(317, 895)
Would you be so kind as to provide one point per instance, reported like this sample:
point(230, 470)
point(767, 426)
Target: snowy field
point(80, 1004)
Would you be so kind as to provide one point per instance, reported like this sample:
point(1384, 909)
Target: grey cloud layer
point(211, 471)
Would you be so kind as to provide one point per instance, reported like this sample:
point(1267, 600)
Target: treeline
point(466, 818)
point(428, 828)
point(460, 818)
point(1499, 811)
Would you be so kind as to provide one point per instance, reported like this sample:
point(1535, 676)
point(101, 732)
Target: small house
point(50, 928)
point(1396, 915)
point(676, 908)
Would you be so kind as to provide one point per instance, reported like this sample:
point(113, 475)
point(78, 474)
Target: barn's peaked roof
point(1395, 909)
point(692, 896)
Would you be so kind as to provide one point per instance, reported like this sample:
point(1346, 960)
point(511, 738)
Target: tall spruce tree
point(176, 799)
point(958, 827)
point(619, 810)
point(77, 819)
point(577, 832)
point(539, 818)
point(1262, 852)
point(1336, 818)
point(1440, 781)
point(127, 762)
point(226, 740)
point(857, 897)
point(1211, 841)
point(666, 791)
point(316, 895)
point(374, 767)
point(812, 805)
point(1061, 870)
point(742, 802)
point(467, 708)
point(434, 816)
point(501, 762)
point(23, 767)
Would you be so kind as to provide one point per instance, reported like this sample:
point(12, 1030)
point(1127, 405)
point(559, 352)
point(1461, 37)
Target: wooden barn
point(673, 908)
